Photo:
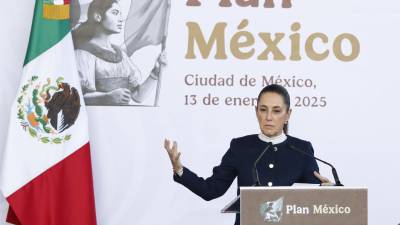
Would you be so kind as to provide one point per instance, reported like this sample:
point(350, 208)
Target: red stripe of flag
point(62, 195)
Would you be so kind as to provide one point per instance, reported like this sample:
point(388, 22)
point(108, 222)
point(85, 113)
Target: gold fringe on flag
point(56, 12)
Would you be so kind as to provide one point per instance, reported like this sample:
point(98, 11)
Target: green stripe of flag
point(44, 33)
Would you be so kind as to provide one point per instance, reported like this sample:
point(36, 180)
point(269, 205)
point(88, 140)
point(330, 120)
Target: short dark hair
point(280, 90)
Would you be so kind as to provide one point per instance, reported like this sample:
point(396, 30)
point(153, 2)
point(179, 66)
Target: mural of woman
point(108, 76)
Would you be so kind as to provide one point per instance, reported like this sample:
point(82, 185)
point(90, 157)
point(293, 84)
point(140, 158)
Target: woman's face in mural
point(112, 20)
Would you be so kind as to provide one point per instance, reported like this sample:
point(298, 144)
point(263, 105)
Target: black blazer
point(279, 166)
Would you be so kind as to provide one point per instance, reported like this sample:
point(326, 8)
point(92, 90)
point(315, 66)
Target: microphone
point(335, 175)
point(256, 179)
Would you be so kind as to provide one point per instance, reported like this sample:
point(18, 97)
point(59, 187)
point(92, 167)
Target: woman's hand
point(119, 96)
point(160, 62)
point(173, 154)
point(324, 181)
point(162, 59)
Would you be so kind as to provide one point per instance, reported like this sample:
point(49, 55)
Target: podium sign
point(303, 206)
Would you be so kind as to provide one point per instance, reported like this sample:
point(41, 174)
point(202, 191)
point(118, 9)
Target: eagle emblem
point(47, 110)
point(272, 211)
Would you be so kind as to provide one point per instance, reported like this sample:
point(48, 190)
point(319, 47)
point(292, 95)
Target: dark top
point(288, 167)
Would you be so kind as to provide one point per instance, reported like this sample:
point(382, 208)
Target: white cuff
point(179, 172)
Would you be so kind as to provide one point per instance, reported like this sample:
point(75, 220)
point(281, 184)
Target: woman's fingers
point(178, 156)
point(324, 181)
point(172, 150)
point(173, 154)
point(162, 58)
point(321, 178)
point(167, 146)
point(175, 146)
point(167, 143)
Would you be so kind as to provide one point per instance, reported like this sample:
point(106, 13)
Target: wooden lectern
point(301, 206)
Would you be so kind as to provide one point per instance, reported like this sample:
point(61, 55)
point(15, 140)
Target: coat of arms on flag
point(46, 110)
point(56, 9)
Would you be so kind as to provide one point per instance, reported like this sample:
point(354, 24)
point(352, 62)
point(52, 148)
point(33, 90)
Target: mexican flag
point(146, 24)
point(46, 173)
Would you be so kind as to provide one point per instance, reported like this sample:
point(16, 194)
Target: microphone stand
point(256, 179)
point(335, 175)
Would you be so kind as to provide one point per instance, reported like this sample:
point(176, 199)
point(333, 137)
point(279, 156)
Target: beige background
point(357, 131)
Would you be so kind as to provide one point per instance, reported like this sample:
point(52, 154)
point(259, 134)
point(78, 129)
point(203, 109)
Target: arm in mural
point(86, 65)
point(142, 91)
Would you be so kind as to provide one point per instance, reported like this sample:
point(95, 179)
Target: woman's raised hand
point(160, 62)
point(162, 59)
point(173, 154)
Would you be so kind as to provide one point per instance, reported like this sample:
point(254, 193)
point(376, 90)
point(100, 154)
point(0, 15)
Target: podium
point(301, 205)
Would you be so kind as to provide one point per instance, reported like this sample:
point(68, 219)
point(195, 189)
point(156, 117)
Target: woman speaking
point(278, 164)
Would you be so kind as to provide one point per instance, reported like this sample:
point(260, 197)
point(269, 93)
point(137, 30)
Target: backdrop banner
point(191, 71)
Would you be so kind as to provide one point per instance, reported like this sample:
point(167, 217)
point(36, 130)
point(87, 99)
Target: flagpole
point(163, 47)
